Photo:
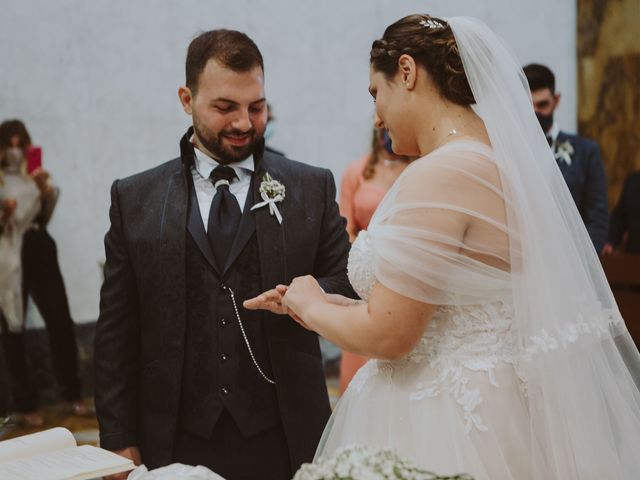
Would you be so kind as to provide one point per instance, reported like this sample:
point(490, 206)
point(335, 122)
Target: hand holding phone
point(41, 177)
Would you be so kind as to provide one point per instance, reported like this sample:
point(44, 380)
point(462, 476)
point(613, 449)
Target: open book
point(54, 455)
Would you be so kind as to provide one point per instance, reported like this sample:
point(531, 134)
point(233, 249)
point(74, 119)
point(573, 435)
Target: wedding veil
point(574, 353)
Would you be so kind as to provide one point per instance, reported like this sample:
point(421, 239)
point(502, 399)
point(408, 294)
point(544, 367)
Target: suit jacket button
point(223, 357)
point(223, 322)
point(224, 391)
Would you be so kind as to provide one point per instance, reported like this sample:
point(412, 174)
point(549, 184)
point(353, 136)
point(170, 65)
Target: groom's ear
point(186, 99)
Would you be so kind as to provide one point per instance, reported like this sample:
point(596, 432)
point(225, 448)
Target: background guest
point(625, 218)
point(270, 129)
point(364, 184)
point(578, 157)
point(41, 279)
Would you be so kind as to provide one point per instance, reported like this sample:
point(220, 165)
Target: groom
point(183, 372)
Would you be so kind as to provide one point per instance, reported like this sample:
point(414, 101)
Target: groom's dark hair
point(232, 49)
point(540, 77)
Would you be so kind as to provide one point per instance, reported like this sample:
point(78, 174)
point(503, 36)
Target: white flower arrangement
point(357, 462)
point(564, 152)
point(272, 192)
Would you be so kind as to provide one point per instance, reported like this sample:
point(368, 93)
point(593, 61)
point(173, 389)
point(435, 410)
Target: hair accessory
point(431, 23)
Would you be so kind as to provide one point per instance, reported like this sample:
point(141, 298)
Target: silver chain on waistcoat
point(244, 335)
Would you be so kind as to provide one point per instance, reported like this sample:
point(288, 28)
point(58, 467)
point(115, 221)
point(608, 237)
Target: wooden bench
point(623, 274)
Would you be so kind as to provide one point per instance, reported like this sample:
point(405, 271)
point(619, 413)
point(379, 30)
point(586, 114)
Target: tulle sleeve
point(440, 234)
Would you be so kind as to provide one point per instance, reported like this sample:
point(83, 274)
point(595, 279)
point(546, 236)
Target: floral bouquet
point(357, 462)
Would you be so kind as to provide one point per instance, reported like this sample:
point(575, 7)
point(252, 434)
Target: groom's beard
point(226, 154)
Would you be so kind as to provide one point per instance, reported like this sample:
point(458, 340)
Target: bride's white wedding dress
point(460, 401)
point(526, 370)
point(455, 404)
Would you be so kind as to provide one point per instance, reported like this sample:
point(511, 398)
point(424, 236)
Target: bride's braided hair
point(430, 41)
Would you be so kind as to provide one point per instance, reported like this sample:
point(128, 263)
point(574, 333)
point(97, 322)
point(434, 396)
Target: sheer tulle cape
point(469, 223)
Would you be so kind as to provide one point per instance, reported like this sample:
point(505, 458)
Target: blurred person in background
point(270, 130)
point(364, 184)
point(30, 268)
point(625, 219)
point(578, 157)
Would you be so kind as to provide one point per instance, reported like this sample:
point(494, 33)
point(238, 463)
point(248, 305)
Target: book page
point(36, 443)
point(72, 463)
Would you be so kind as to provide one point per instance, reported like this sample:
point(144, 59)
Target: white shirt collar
point(205, 164)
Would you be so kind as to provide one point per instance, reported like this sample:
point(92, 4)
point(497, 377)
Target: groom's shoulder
point(294, 167)
point(152, 176)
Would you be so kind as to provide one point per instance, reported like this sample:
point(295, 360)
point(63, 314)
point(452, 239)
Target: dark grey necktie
point(224, 216)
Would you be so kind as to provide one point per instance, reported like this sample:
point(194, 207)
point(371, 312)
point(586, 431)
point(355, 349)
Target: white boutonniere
point(564, 152)
point(272, 192)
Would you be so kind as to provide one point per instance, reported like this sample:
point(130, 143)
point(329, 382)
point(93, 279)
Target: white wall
point(96, 81)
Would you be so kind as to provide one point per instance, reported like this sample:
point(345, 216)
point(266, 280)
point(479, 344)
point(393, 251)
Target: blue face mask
point(387, 142)
point(268, 131)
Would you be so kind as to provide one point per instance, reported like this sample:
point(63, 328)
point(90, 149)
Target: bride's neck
point(444, 123)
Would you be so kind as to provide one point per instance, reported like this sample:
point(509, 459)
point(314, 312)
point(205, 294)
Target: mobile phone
point(34, 158)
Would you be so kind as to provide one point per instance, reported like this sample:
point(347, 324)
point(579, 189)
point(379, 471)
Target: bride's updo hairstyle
point(430, 42)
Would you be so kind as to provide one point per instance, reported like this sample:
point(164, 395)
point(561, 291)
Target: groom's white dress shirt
point(205, 190)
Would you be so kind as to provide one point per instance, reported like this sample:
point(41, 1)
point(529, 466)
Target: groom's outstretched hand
point(271, 300)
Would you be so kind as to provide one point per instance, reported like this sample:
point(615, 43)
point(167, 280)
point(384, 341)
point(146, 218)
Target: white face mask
point(13, 159)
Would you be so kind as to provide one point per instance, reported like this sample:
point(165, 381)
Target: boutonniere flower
point(564, 152)
point(272, 192)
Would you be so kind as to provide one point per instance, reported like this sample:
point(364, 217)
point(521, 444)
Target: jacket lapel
point(194, 221)
point(172, 238)
point(197, 231)
point(271, 244)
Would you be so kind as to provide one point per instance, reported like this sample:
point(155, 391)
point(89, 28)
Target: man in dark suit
point(183, 372)
point(625, 218)
point(578, 157)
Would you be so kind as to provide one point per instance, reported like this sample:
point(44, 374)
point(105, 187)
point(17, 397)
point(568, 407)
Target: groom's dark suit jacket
point(166, 323)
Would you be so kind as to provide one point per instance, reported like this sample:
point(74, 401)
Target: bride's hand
point(271, 300)
point(302, 294)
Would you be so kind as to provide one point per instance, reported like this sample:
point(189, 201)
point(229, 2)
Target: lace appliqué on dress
point(472, 338)
point(360, 267)
point(475, 338)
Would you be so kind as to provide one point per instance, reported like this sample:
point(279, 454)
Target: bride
point(497, 347)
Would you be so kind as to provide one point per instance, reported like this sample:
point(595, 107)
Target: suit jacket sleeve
point(331, 262)
point(116, 340)
point(596, 210)
point(618, 225)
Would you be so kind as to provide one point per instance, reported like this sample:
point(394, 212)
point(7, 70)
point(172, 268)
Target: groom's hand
point(133, 454)
point(270, 300)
